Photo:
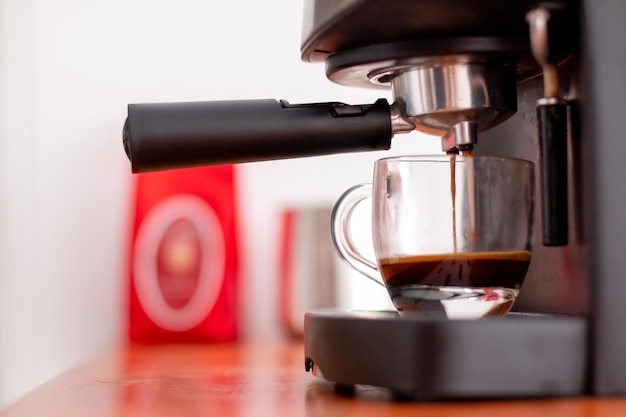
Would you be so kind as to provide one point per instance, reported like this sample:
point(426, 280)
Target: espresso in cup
point(452, 235)
point(421, 283)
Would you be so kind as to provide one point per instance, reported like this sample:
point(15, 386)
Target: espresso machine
point(527, 79)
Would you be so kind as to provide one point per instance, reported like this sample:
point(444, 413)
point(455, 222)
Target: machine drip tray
point(520, 355)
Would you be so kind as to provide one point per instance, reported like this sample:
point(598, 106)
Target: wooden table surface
point(248, 380)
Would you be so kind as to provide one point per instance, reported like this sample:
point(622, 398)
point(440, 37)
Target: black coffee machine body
point(527, 79)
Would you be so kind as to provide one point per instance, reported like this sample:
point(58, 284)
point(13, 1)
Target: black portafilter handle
point(552, 117)
point(159, 136)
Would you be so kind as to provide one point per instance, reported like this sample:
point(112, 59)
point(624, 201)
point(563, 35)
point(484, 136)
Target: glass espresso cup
point(452, 234)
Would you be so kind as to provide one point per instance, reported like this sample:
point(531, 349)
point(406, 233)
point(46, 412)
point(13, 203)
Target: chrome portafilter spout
point(453, 97)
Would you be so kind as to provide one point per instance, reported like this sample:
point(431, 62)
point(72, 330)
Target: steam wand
point(553, 132)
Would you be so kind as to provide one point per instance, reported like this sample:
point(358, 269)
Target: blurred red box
point(183, 257)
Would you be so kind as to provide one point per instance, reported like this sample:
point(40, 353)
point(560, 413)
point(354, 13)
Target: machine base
point(521, 355)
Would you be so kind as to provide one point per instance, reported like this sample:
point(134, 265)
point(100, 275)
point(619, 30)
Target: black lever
point(552, 119)
point(179, 135)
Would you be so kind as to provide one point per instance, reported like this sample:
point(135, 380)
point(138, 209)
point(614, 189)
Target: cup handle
point(342, 238)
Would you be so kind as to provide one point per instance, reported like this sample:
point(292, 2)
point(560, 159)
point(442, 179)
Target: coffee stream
point(469, 171)
point(453, 195)
point(469, 166)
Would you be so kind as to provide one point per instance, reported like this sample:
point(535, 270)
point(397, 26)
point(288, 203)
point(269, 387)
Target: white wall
point(67, 70)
